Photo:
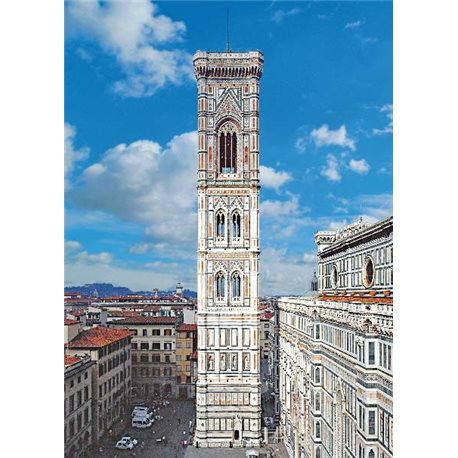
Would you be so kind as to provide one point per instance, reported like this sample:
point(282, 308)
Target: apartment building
point(186, 345)
point(78, 406)
point(153, 355)
point(110, 351)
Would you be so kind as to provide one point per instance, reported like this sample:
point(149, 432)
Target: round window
point(334, 277)
point(368, 272)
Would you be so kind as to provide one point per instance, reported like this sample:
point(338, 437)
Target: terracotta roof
point(194, 355)
point(99, 337)
point(187, 327)
point(267, 315)
point(69, 322)
point(146, 320)
point(69, 360)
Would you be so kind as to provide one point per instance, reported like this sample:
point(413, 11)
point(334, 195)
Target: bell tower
point(228, 384)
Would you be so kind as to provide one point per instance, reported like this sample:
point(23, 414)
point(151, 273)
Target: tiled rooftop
point(99, 337)
point(69, 322)
point(69, 360)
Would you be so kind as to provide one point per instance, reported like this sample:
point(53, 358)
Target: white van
point(141, 422)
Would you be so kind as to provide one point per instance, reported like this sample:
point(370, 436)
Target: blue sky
point(130, 120)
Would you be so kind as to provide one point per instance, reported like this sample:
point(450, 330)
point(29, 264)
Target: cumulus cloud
point(145, 183)
point(280, 208)
point(279, 15)
point(359, 166)
point(371, 207)
point(374, 207)
point(326, 137)
point(285, 274)
point(388, 129)
point(71, 246)
point(353, 25)
point(132, 33)
point(332, 169)
point(283, 218)
point(82, 267)
point(74, 253)
point(272, 179)
point(71, 154)
point(309, 258)
point(98, 258)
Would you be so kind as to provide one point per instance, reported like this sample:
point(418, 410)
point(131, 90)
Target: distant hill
point(107, 289)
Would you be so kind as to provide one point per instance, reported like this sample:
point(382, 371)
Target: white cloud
point(359, 166)
point(283, 274)
point(147, 184)
point(310, 258)
point(80, 273)
point(332, 169)
point(279, 15)
point(280, 208)
point(82, 267)
point(99, 258)
point(374, 207)
point(325, 137)
point(272, 179)
point(353, 25)
point(71, 246)
point(300, 144)
point(388, 129)
point(71, 154)
point(132, 32)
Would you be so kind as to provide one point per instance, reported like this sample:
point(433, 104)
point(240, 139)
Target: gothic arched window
point(236, 224)
point(220, 285)
point(228, 148)
point(317, 430)
point(371, 454)
point(317, 375)
point(318, 453)
point(318, 401)
point(235, 285)
point(220, 225)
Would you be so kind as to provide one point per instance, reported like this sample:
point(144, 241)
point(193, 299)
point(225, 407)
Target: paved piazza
point(176, 422)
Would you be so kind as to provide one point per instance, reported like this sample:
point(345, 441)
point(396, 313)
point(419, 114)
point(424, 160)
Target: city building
point(153, 355)
point(109, 349)
point(186, 335)
point(336, 349)
point(264, 334)
point(274, 360)
point(78, 406)
point(228, 388)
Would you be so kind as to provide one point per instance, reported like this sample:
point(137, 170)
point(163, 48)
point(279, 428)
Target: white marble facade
point(228, 385)
point(336, 350)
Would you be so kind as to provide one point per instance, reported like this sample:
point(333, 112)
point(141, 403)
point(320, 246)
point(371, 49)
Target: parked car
point(141, 410)
point(124, 444)
point(130, 439)
point(141, 422)
point(142, 413)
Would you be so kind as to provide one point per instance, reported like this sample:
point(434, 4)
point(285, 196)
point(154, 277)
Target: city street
point(174, 427)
